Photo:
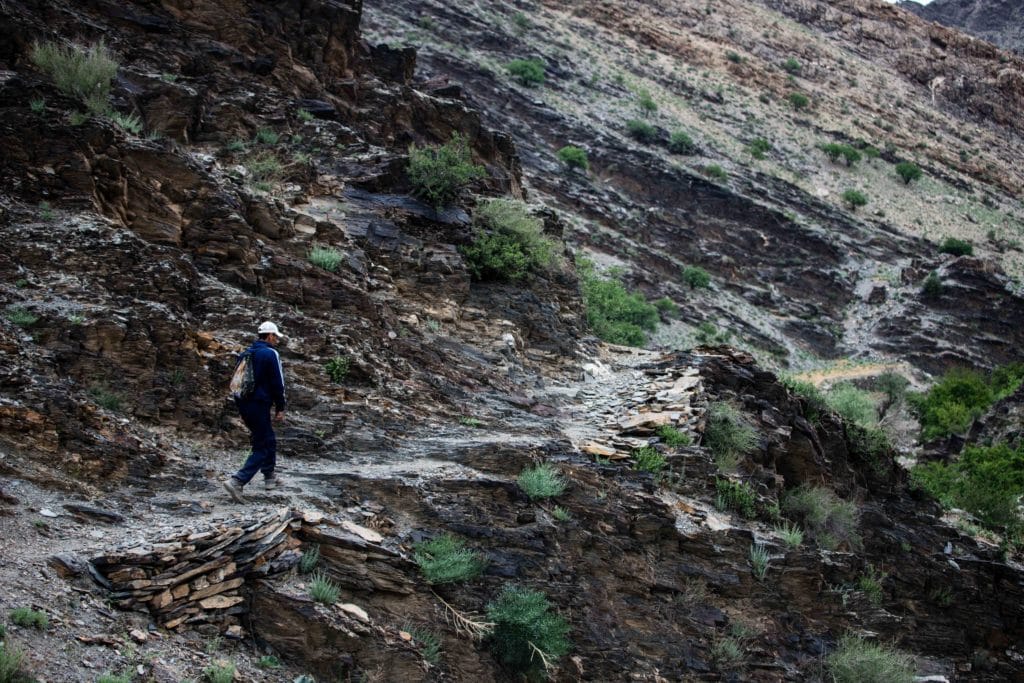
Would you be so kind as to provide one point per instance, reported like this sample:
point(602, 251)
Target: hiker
point(256, 388)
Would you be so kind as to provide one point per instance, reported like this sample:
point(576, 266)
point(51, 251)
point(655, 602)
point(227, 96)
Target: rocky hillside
point(1001, 23)
point(249, 161)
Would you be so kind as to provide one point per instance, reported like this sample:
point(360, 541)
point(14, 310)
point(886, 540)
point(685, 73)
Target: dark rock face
point(997, 21)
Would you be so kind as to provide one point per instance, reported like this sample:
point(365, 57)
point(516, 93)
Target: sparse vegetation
point(11, 660)
point(327, 258)
point(908, 172)
point(37, 105)
point(829, 520)
point(715, 171)
point(219, 672)
point(854, 199)
point(855, 660)
point(542, 481)
point(870, 583)
point(646, 103)
point(527, 636)
point(46, 211)
point(509, 243)
point(337, 368)
point(304, 115)
point(428, 643)
point(439, 173)
point(21, 317)
point(759, 560)
point(956, 247)
point(613, 313)
point(759, 148)
point(561, 514)
point(82, 72)
point(648, 459)
point(791, 534)
point(529, 72)
point(681, 143)
point(323, 590)
point(267, 136)
point(130, 123)
point(932, 285)
point(727, 653)
point(799, 101)
point(735, 495)
point(792, 66)
point(115, 678)
point(573, 157)
point(836, 151)
point(667, 307)
point(696, 277)
point(309, 560)
point(641, 130)
point(262, 167)
point(672, 437)
point(445, 559)
point(962, 395)
point(728, 435)
point(853, 404)
point(105, 397)
point(29, 618)
point(268, 662)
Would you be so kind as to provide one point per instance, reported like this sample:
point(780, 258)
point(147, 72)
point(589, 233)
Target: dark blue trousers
point(256, 416)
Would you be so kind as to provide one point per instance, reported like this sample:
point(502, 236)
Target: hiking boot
point(234, 488)
point(272, 482)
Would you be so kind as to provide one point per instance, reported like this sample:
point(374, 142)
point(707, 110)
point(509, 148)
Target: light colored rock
point(138, 635)
point(356, 611)
point(599, 449)
point(362, 532)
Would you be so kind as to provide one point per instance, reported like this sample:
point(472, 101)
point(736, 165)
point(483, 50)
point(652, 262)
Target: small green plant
point(681, 143)
point(527, 636)
point(829, 520)
point(613, 313)
point(468, 421)
point(37, 105)
point(337, 368)
point(648, 459)
point(835, 151)
point(267, 136)
point(696, 277)
point(46, 211)
point(799, 101)
point(735, 495)
point(672, 437)
point(82, 72)
point(908, 172)
point(734, 57)
point(130, 123)
point(932, 285)
point(263, 167)
point(21, 317)
point(29, 618)
point(11, 660)
point(854, 199)
point(956, 247)
point(542, 481)
point(791, 534)
point(727, 653)
point(304, 115)
point(235, 146)
point(439, 173)
point(759, 148)
point(327, 258)
point(641, 131)
point(521, 22)
point(667, 307)
point(792, 66)
point(728, 435)
point(870, 584)
point(428, 643)
point(114, 678)
point(646, 103)
point(560, 514)
point(509, 243)
point(220, 672)
point(573, 157)
point(853, 404)
point(105, 397)
point(759, 560)
point(893, 385)
point(445, 559)
point(715, 171)
point(77, 118)
point(310, 558)
point(856, 660)
point(323, 590)
point(529, 72)
point(268, 662)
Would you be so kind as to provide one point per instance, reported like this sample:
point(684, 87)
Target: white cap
point(269, 328)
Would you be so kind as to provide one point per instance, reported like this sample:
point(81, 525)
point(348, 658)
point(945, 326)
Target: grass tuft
point(648, 459)
point(828, 519)
point(672, 437)
point(759, 560)
point(82, 72)
point(542, 481)
point(310, 558)
point(855, 660)
point(445, 559)
point(527, 637)
point(327, 258)
point(29, 618)
point(219, 673)
point(728, 435)
point(791, 534)
point(323, 590)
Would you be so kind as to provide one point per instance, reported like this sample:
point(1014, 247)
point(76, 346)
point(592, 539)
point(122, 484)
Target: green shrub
point(734, 57)
point(871, 152)
point(759, 560)
point(613, 313)
point(263, 167)
point(853, 404)
point(791, 65)
point(681, 143)
point(696, 277)
point(791, 534)
point(837, 151)
point(11, 660)
point(573, 157)
point(267, 136)
point(829, 520)
point(932, 285)
point(20, 316)
point(815, 403)
point(268, 662)
point(647, 104)
point(735, 495)
point(542, 481)
point(105, 397)
point(527, 637)
point(445, 559)
point(130, 123)
point(438, 173)
point(857, 661)
point(428, 643)
point(708, 333)
point(956, 247)
point(960, 396)
point(759, 147)
point(728, 435)
point(986, 481)
point(893, 385)
point(29, 618)
point(337, 368)
point(82, 72)
point(854, 199)
point(672, 437)
point(641, 130)
point(219, 673)
point(323, 590)
point(667, 307)
point(560, 514)
point(727, 653)
point(870, 584)
point(310, 558)
point(327, 258)
point(908, 172)
point(715, 171)
point(648, 459)
point(509, 243)
point(304, 115)
point(521, 22)
point(37, 105)
point(529, 72)
point(799, 100)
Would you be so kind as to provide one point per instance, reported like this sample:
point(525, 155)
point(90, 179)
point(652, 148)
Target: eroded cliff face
point(998, 21)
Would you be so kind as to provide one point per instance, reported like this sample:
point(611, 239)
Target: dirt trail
point(844, 371)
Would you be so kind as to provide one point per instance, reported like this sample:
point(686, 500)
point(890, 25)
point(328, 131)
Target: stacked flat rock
point(195, 576)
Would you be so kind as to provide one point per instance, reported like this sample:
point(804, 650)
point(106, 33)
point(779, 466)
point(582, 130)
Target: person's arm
point(276, 385)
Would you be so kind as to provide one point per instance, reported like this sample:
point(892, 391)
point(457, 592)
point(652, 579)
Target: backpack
point(243, 382)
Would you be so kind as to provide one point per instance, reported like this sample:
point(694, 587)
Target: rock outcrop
point(998, 21)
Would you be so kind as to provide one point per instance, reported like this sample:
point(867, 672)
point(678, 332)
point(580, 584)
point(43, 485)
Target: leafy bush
point(641, 130)
point(82, 72)
point(854, 199)
point(835, 151)
point(956, 247)
point(527, 637)
point(529, 72)
point(613, 313)
point(791, 65)
point(728, 435)
point(509, 243)
point(799, 100)
point(667, 307)
point(759, 147)
point(960, 396)
point(735, 495)
point(829, 520)
point(853, 404)
point(542, 481)
point(696, 277)
point(573, 157)
point(893, 385)
point(445, 559)
point(715, 171)
point(438, 173)
point(932, 286)
point(337, 368)
point(857, 661)
point(672, 437)
point(323, 590)
point(327, 258)
point(29, 618)
point(908, 171)
point(681, 143)
point(987, 481)
point(648, 459)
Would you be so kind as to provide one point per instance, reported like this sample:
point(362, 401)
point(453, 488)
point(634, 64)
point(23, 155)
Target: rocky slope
point(137, 263)
point(999, 22)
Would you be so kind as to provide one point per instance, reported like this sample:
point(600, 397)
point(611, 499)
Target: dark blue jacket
point(267, 375)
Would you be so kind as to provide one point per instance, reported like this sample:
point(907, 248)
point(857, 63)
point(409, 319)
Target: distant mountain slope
point(997, 21)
